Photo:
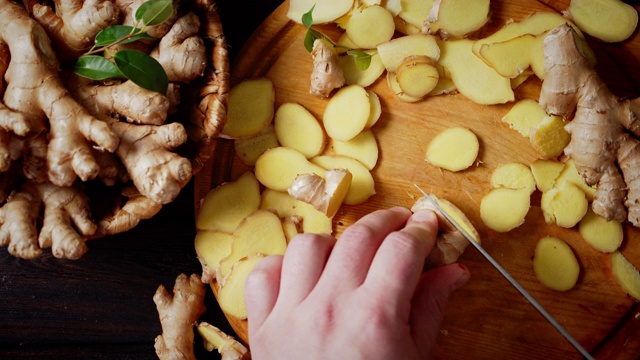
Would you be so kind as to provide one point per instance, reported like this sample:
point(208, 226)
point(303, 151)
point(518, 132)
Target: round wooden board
point(487, 319)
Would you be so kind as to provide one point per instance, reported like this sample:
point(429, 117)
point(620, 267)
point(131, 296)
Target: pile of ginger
point(81, 159)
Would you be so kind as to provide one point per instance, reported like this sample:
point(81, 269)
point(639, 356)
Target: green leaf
point(142, 69)
point(310, 37)
point(154, 12)
point(96, 68)
point(307, 18)
point(363, 59)
point(115, 33)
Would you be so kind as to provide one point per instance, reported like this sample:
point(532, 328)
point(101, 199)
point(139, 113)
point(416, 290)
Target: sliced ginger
point(224, 207)
point(250, 108)
point(347, 113)
point(392, 81)
point(570, 174)
point(626, 274)
point(555, 264)
point(456, 18)
point(394, 52)
point(325, 194)
point(564, 205)
point(312, 220)
point(228, 347)
point(298, 129)
point(503, 209)
point(524, 115)
point(545, 173)
point(417, 76)
point(512, 57)
point(375, 110)
point(549, 137)
point(472, 77)
point(354, 75)
point(363, 148)
point(259, 233)
point(453, 149)
point(414, 12)
point(370, 26)
point(362, 184)
point(231, 293)
point(211, 247)
point(607, 20)
point(513, 176)
point(277, 167)
point(323, 12)
point(602, 235)
point(250, 148)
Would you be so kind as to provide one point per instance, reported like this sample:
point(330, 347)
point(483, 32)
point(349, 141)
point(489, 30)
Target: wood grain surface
point(488, 319)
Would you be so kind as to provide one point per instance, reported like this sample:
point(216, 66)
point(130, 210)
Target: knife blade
point(509, 278)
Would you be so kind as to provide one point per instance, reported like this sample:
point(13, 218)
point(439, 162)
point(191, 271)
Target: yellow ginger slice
point(231, 293)
point(250, 108)
point(292, 226)
point(607, 20)
point(513, 176)
point(404, 27)
point(524, 115)
point(453, 149)
point(473, 78)
point(626, 274)
point(224, 207)
point(456, 18)
point(325, 194)
point(545, 173)
point(324, 11)
point(417, 76)
point(503, 209)
point(570, 174)
point(392, 81)
point(414, 12)
point(549, 137)
point(564, 205)
point(250, 148)
point(298, 129)
point(555, 264)
point(211, 247)
point(394, 52)
point(347, 113)
point(313, 221)
point(370, 26)
point(363, 148)
point(354, 75)
point(277, 167)
point(602, 235)
point(259, 233)
point(512, 57)
point(375, 111)
point(228, 347)
point(362, 184)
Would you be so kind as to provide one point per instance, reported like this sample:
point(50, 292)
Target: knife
point(511, 280)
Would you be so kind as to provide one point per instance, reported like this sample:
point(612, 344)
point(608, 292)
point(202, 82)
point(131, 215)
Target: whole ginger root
point(81, 159)
point(604, 129)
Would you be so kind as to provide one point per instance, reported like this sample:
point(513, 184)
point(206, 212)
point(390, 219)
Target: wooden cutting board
point(487, 319)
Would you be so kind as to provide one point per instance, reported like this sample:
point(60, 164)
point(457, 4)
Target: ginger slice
point(453, 149)
point(178, 314)
point(211, 247)
point(414, 12)
point(277, 167)
point(450, 243)
point(513, 176)
point(545, 173)
point(250, 148)
point(607, 20)
point(602, 235)
point(250, 108)
point(298, 129)
point(417, 76)
point(325, 194)
point(362, 184)
point(524, 115)
point(564, 205)
point(363, 148)
point(347, 113)
point(354, 75)
point(626, 274)
point(323, 12)
point(549, 137)
point(555, 264)
point(313, 221)
point(503, 209)
point(231, 292)
point(571, 83)
point(395, 51)
point(370, 26)
point(228, 347)
point(456, 18)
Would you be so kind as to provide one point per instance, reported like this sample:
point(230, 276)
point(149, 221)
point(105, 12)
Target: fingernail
point(423, 216)
point(463, 278)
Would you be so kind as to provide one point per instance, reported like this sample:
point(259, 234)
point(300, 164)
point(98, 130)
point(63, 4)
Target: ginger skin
point(327, 73)
point(178, 315)
point(604, 130)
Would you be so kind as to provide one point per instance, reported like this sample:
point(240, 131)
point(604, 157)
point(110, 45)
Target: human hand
point(364, 296)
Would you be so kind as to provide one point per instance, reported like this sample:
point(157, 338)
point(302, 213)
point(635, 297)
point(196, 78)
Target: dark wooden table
point(101, 306)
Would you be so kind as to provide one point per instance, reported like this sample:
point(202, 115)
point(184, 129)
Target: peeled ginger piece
point(602, 235)
point(513, 176)
point(453, 149)
point(231, 294)
point(626, 274)
point(607, 20)
point(456, 18)
point(555, 264)
point(325, 11)
point(503, 209)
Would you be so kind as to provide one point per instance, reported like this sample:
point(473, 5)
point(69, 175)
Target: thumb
point(429, 303)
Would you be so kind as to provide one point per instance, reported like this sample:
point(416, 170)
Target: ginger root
point(327, 73)
point(604, 129)
point(178, 315)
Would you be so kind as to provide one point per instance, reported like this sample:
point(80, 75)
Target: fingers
point(302, 266)
point(351, 258)
point(429, 302)
point(397, 265)
point(261, 290)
